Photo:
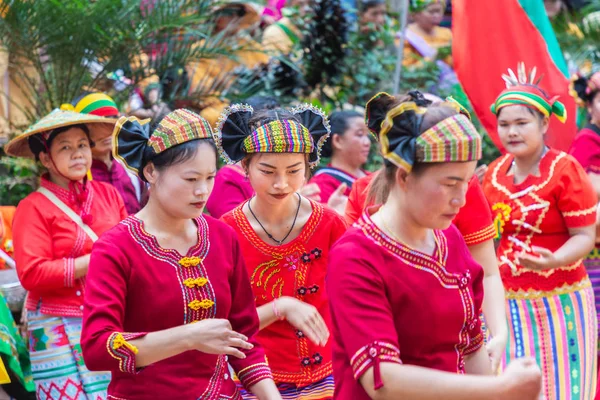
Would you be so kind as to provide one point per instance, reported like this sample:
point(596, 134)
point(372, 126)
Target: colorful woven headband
point(135, 146)
point(417, 6)
point(523, 90)
point(584, 89)
point(235, 139)
point(454, 139)
point(95, 104)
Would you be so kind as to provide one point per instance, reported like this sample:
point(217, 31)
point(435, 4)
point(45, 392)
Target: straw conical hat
point(19, 146)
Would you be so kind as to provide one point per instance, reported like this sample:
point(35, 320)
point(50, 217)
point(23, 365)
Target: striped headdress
point(524, 90)
point(453, 139)
point(235, 139)
point(420, 5)
point(135, 146)
point(95, 104)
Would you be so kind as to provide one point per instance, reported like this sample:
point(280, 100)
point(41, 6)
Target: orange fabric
point(6, 243)
point(539, 212)
point(474, 220)
point(440, 37)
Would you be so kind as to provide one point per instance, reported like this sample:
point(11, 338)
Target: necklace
point(279, 242)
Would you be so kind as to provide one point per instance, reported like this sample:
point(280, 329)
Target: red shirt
point(586, 148)
point(390, 303)
point(231, 189)
point(118, 177)
point(47, 242)
point(539, 212)
point(474, 220)
point(136, 287)
point(296, 269)
point(329, 180)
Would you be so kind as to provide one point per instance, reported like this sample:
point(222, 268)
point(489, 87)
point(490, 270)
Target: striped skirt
point(592, 265)
point(560, 331)
point(322, 390)
point(56, 361)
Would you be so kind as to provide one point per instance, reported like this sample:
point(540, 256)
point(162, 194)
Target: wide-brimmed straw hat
point(19, 146)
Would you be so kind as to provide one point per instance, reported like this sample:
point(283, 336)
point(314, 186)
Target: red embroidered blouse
point(136, 287)
point(539, 212)
point(390, 303)
point(474, 220)
point(47, 242)
point(296, 269)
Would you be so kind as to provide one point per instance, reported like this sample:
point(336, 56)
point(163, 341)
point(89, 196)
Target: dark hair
point(580, 85)
point(365, 5)
point(179, 154)
point(339, 121)
point(265, 116)
point(262, 103)
point(380, 187)
point(36, 142)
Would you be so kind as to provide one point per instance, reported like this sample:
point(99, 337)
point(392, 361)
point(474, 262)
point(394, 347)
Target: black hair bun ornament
point(317, 123)
point(232, 129)
point(131, 143)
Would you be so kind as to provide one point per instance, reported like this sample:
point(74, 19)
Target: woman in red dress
point(405, 294)
point(54, 229)
point(348, 148)
point(168, 303)
point(545, 208)
point(474, 222)
point(285, 239)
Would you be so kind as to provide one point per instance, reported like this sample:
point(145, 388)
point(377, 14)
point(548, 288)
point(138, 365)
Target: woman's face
point(521, 131)
point(373, 17)
point(183, 189)
point(102, 137)
point(430, 17)
point(70, 155)
point(594, 109)
point(436, 194)
point(276, 176)
point(354, 144)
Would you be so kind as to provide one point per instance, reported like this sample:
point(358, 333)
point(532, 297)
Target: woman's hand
point(546, 259)
point(81, 266)
point(338, 200)
point(215, 336)
point(496, 348)
point(305, 318)
point(311, 191)
point(522, 380)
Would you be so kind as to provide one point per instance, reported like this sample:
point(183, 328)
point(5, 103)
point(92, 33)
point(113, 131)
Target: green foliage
point(18, 178)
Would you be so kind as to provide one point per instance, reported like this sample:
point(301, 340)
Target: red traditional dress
point(297, 269)
point(474, 220)
point(130, 187)
point(375, 286)
point(136, 287)
point(329, 180)
point(46, 243)
point(231, 189)
point(551, 313)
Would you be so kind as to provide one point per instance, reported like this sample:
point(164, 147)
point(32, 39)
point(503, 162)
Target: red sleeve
point(357, 199)
point(474, 220)
point(105, 346)
point(577, 199)
point(225, 196)
point(34, 256)
point(116, 199)
point(338, 227)
point(244, 319)
point(366, 334)
point(586, 150)
point(327, 185)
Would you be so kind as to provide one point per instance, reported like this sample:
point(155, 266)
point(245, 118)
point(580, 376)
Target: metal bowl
point(11, 289)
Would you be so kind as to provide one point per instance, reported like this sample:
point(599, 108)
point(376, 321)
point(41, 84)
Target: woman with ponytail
point(405, 294)
point(285, 241)
point(545, 213)
point(54, 229)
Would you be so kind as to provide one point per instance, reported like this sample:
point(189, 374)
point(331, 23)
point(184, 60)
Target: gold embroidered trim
point(538, 294)
point(579, 213)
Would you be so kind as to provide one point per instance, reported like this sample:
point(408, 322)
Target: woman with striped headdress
point(545, 212)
